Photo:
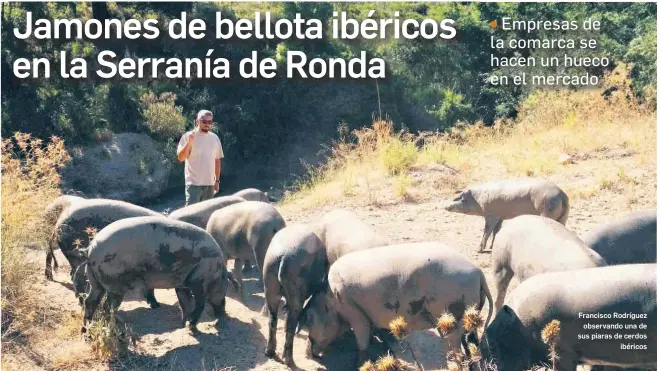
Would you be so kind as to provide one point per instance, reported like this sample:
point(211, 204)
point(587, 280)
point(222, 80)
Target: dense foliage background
point(267, 126)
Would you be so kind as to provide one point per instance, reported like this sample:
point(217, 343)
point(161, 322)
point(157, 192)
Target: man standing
point(202, 151)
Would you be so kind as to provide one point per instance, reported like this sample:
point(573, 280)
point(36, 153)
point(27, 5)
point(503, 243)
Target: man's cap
point(203, 113)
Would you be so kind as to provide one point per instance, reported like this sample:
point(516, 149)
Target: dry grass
point(387, 363)
point(445, 324)
point(109, 337)
point(456, 359)
point(550, 336)
point(73, 354)
point(29, 182)
point(472, 321)
point(398, 328)
point(401, 184)
point(581, 193)
point(551, 125)
point(73, 351)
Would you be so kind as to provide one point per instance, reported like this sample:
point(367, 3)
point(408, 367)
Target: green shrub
point(163, 118)
point(397, 155)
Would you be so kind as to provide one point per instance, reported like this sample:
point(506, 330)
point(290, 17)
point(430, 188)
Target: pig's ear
point(459, 195)
point(509, 312)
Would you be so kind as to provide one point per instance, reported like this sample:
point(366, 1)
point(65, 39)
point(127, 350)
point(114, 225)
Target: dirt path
point(239, 341)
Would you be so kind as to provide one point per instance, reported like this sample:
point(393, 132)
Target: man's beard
point(204, 130)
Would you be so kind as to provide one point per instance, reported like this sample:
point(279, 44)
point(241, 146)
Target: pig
point(198, 213)
point(51, 214)
point(369, 288)
point(528, 245)
point(58, 206)
point(157, 253)
point(504, 199)
point(294, 268)
point(630, 239)
point(70, 229)
point(244, 231)
point(512, 341)
point(252, 194)
point(342, 232)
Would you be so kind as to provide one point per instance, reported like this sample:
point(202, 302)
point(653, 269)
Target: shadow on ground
point(341, 355)
point(161, 320)
point(228, 342)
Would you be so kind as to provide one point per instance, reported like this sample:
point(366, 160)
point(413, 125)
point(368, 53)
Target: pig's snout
point(451, 206)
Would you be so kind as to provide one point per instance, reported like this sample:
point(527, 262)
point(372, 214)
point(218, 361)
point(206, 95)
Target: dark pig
point(70, 233)
point(157, 253)
point(251, 194)
point(52, 213)
point(59, 205)
point(512, 341)
point(630, 239)
point(294, 268)
point(199, 213)
point(244, 231)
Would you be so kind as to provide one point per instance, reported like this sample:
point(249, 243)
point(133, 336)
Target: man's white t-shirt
point(200, 166)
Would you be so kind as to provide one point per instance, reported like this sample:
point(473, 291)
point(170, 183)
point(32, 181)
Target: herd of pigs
point(338, 274)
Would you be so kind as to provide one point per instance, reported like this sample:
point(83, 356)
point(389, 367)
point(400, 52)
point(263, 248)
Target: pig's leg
point(259, 252)
point(92, 301)
point(490, 223)
point(238, 262)
point(496, 229)
point(150, 298)
point(361, 329)
point(222, 312)
point(238, 275)
point(483, 243)
point(503, 276)
point(113, 301)
point(185, 303)
point(272, 295)
point(293, 313)
point(247, 266)
point(290, 330)
point(49, 260)
point(80, 282)
point(198, 293)
point(454, 340)
point(468, 338)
